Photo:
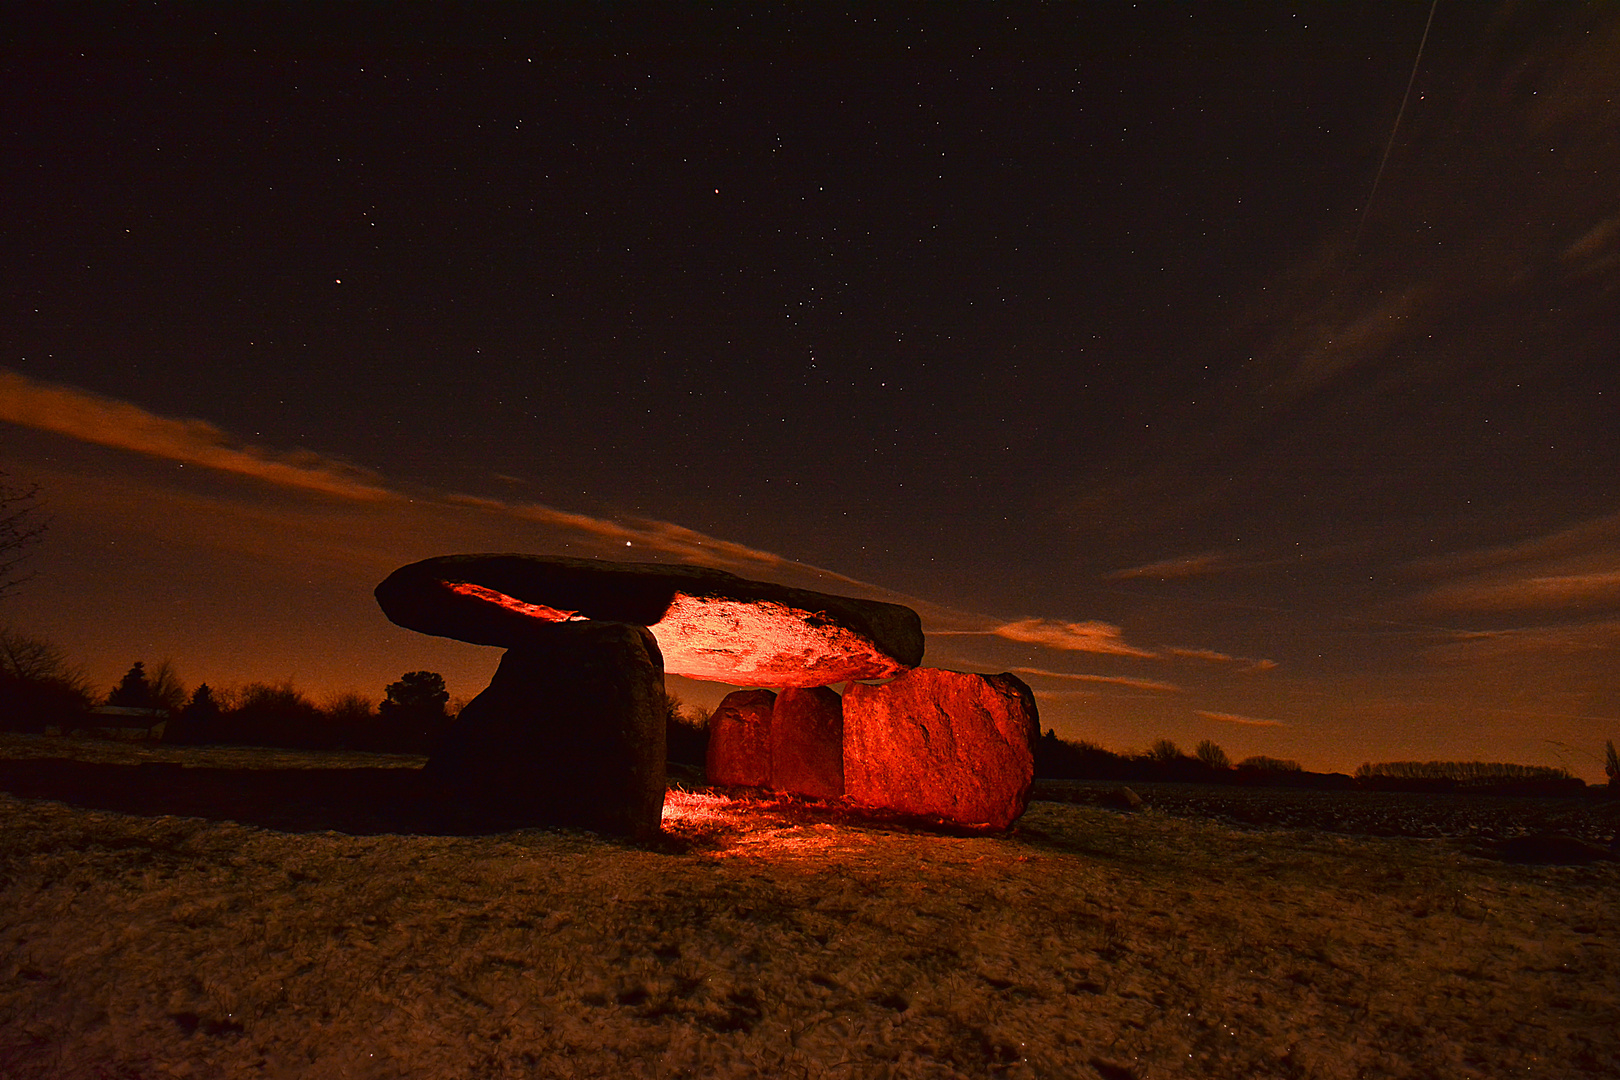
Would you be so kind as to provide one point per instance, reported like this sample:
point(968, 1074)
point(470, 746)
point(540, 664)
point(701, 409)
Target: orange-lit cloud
point(1234, 718)
point(1496, 645)
point(361, 539)
point(1213, 657)
point(1094, 637)
point(1577, 566)
point(92, 418)
point(1114, 680)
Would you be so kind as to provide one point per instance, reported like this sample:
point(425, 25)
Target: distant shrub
point(1463, 772)
point(1059, 759)
point(38, 689)
point(275, 715)
point(686, 732)
point(1262, 763)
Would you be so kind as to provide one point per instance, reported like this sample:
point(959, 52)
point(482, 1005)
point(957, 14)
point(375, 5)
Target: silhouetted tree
point(37, 687)
point(1163, 751)
point(197, 721)
point(165, 689)
point(413, 710)
point(686, 732)
point(1611, 764)
point(20, 530)
point(133, 692)
point(1212, 755)
point(275, 715)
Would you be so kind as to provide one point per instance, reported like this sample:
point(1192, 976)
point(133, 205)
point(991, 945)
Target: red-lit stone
point(740, 740)
point(807, 742)
point(942, 744)
point(569, 732)
point(709, 624)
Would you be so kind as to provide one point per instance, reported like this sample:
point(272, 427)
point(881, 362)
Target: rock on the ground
point(942, 744)
point(709, 624)
point(1122, 798)
point(739, 752)
point(807, 742)
point(569, 732)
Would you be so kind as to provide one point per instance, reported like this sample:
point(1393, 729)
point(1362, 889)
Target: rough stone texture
point(807, 742)
point(709, 624)
point(944, 744)
point(740, 740)
point(569, 732)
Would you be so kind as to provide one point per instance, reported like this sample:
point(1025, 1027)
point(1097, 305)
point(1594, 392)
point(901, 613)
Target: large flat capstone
point(708, 624)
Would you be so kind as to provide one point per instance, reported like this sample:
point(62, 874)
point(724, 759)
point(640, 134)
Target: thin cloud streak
point(1234, 718)
point(1183, 566)
point(1247, 663)
point(1574, 566)
point(91, 418)
point(1114, 680)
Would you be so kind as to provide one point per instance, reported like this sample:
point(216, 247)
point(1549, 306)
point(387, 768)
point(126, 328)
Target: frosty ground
point(151, 931)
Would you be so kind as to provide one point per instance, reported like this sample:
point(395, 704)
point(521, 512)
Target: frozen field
point(223, 913)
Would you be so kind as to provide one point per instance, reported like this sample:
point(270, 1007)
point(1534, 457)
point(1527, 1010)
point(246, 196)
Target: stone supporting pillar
point(807, 742)
point(740, 740)
point(569, 732)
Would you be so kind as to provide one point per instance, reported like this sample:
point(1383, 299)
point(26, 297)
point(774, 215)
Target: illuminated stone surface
point(942, 743)
point(807, 742)
point(740, 740)
point(709, 624)
point(569, 732)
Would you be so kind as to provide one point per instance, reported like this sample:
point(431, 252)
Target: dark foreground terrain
point(234, 912)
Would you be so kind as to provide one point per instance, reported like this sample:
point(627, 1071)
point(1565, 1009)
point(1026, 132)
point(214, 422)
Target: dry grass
point(773, 938)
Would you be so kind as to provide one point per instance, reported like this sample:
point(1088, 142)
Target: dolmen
point(571, 729)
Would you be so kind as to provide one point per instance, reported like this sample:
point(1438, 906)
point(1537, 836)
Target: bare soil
point(239, 912)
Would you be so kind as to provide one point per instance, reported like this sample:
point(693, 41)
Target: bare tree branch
point(20, 530)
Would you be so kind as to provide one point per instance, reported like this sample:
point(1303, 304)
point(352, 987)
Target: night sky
point(1105, 335)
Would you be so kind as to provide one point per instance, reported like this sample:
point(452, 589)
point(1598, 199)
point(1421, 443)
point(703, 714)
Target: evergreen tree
point(133, 692)
point(198, 721)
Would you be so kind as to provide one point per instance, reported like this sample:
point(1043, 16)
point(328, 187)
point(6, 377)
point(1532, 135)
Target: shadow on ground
point(364, 800)
point(361, 801)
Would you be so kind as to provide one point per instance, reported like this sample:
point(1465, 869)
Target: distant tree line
point(1060, 759)
point(410, 719)
point(40, 690)
point(1442, 776)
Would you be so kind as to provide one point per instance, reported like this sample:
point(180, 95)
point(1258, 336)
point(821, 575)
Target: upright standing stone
point(569, 732)
point(740, 740)
point(807, 742)
point(944, 744)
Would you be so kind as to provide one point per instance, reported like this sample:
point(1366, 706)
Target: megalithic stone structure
point(566, 732)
